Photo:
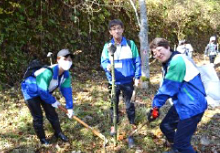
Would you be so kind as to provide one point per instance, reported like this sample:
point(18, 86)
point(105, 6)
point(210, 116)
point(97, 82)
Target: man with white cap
point(37, 90)
point(211, 49)
point(185, 48)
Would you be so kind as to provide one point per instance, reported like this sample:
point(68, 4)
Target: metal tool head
point(49, 54)
point(133, 97)
point(111, 48)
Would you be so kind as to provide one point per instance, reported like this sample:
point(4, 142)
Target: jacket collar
point(123, 41)
point(56, 73)
point(166, 64)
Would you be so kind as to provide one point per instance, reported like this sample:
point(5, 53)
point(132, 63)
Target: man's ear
point(58, 59)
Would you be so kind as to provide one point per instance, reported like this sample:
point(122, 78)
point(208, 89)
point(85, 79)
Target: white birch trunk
point(144, 46)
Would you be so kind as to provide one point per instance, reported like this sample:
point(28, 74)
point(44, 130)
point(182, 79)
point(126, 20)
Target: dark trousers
point(127, 90)
point(212, 58)
point(34, 106)
point(179, 131)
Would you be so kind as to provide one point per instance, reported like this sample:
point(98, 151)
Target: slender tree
point(144, 46)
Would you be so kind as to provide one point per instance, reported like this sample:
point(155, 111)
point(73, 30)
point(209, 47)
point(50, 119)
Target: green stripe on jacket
point(44, 78)
point(176, 70)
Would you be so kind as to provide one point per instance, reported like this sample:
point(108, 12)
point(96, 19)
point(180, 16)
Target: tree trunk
point(144, 46)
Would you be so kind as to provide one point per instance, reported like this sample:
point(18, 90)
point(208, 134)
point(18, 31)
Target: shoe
point(112, 132)
point(62, 137)
point(44, 141)
point(131, 142)
point(134, 127)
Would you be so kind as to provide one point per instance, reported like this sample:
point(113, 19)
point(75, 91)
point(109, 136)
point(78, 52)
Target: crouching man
point(37, 90)
point(182, 83)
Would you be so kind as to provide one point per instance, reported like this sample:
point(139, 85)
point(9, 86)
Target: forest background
point(30, 29)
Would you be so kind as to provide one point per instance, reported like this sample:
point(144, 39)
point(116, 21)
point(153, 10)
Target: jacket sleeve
point(206, 50)
point(105, 61)
point(105, 58)
point(43, 81)
point(136, 60)
point(66, 91)
point(190, 47)
point(171, 83)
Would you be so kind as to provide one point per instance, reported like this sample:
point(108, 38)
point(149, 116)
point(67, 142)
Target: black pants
point(212, 58)
point(127, 90)
point(34, 106)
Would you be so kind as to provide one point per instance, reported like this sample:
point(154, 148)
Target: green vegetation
point(30, 29)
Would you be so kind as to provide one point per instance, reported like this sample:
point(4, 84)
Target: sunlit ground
point(92, 106)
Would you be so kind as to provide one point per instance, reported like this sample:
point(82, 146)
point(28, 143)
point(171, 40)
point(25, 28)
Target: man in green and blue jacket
point(182, 83)
point(37, 90)
point(127, 68)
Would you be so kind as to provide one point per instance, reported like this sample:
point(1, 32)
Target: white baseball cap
point(212, 38)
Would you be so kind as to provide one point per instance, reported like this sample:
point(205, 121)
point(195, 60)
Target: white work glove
point(56, 104)
point(70, 113)
point(136, 82)
point(109, 67)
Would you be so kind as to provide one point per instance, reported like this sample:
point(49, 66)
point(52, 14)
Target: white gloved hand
point(136, 82)
point(109, 67)
point(70, 113)
point(56, 104)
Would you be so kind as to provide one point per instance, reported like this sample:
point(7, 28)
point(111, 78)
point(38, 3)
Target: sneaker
point(44, 141)
point(134, 127)
point(62, 137)
point(131, 142)
point(112, 131)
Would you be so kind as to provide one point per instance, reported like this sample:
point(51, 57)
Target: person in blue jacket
point(37, 91)
point(182, 83)
point(127, 68)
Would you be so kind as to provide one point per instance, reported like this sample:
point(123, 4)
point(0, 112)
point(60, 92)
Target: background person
point(37, 91)
point(127, 68)
point(185, 48)
point(211, 49)
point(186, 89)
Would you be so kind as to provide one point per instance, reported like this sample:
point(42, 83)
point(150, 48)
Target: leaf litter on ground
point(92, 106)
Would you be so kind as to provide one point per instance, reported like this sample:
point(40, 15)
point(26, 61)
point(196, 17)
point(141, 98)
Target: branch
point(70, 6)
point(135, 10)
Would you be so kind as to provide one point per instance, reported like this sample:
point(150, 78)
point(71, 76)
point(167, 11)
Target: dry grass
point(92, 106)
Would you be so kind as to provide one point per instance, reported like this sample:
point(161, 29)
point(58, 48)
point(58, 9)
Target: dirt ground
point(92, 106)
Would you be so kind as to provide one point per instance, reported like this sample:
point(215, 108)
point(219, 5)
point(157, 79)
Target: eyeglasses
point(118, 28)
point(156, 52)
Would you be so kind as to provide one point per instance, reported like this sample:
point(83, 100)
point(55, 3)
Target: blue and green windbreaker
point(129, 60)
point(45, 82)
point(182, 83)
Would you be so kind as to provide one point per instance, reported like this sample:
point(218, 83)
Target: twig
point(135, 10)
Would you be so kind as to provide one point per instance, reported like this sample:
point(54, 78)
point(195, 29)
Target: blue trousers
point(179, 132)
point(127, 90)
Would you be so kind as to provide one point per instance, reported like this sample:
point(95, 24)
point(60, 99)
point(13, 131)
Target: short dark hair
point(114, 23)
point(159, 42)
